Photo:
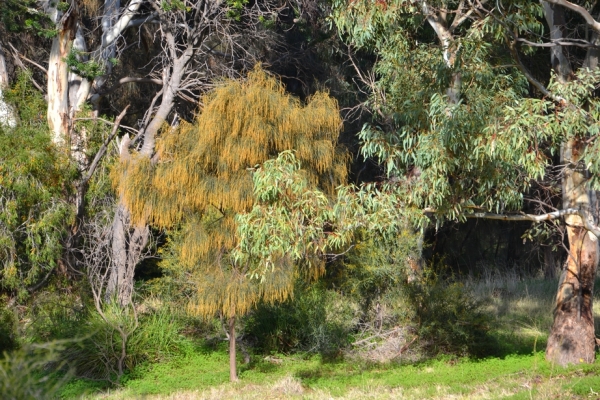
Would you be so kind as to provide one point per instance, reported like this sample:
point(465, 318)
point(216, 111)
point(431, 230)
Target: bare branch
point(129, 79)
point(460, 16)
point(589, 226)
point(44, 70)
point(554, 43)
point(20, 63)
point(513, 48)
point(102, 150)
point(595, 25)
point(134, 23)
point(129, 128)
point(110, 36)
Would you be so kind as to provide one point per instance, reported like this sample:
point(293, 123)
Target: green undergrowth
point(204, 369)
point(512, 365)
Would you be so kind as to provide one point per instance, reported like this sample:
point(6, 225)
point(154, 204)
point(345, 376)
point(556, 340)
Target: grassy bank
point(522, 311)
point(204, 374)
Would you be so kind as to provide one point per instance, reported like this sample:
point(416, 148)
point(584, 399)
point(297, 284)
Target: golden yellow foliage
point(203, 179)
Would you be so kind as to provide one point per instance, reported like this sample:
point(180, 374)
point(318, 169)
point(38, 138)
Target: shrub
point(35, 179)
point(96, 352)
point(447, 316)
point(95, 344)
point(24, 374)
point(8, 330)
point(315, 320)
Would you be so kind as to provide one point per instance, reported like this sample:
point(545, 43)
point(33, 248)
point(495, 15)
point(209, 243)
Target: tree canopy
point(202, 180)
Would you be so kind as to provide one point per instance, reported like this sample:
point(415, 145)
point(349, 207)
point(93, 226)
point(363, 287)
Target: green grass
point(204, 371)
point(522, 313)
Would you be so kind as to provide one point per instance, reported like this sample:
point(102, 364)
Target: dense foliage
point(34, 175)
point(282, 171)
point(202, 182)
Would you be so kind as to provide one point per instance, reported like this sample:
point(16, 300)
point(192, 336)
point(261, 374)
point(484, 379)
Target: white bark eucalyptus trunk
point(572, 338)
point(128, 241)
point(127, 245)
point(58, 71)
point(108, 49)
point(7, 112)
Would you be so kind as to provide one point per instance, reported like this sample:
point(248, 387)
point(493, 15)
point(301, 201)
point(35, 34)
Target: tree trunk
point(58, 75)
point(7, 112)
point(127, 247)
point(232, 356)
point(128, 244)
point(549, 263)
point(572, 338)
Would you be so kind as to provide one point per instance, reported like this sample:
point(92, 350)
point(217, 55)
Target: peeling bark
point(572, 337)
point(58, 74)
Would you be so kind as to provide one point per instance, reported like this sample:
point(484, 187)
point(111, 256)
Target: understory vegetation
point(317, 346)
point(472, 338)
point(299, 199)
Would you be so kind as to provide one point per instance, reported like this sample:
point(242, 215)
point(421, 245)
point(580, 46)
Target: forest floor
point(522, 308)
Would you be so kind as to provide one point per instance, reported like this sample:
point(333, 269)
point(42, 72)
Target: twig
point(102, 150)
point(27, 59)
point(407, 345)
point(377, 336)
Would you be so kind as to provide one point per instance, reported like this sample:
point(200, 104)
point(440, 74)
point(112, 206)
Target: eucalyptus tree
point(468, 128)
point(202, 180)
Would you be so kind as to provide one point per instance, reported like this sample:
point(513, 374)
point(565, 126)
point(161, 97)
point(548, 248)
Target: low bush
point(97, 347)
point(24, 373)
point(447, 316)
point(315, 320)
point(95, 344)
point(8, 330)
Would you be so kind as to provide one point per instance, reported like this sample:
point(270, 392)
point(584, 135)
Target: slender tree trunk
point(127, 242)
point(127, 246)
point(7, 112)
point(58, 74)
point(232, 355)
point(572, 338)
point(549, 263)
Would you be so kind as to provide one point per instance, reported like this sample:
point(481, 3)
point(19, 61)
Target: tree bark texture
point(127, 246)
point(232, 354)
point(572, 338)
point(58, 74)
